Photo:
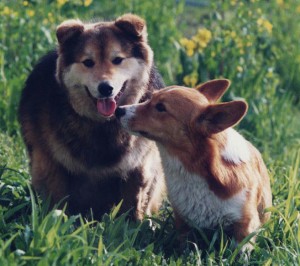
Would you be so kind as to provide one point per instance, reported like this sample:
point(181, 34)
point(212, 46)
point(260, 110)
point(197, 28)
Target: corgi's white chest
point(190, 195)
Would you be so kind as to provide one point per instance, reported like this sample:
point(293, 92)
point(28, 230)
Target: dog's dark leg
point(134, 195)
point(47, 177)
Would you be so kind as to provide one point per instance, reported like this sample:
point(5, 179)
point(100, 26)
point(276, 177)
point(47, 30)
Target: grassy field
point(254, 43)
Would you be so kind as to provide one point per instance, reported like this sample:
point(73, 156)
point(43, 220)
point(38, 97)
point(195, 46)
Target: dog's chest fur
point(190, 195)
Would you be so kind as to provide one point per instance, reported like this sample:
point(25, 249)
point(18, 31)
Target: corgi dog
point(213, 175)
point(77, 148)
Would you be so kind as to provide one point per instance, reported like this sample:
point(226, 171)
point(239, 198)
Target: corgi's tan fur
point(214, 176)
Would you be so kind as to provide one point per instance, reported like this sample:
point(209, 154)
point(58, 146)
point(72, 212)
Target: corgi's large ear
point(68, 30)
point(218, 117)
point(213, 90)
point(133, 25)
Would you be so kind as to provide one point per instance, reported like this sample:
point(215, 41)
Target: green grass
point(31, 234)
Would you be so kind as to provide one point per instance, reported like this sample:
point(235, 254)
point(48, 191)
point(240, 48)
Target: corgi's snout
point(105, 89)
point(120, 111)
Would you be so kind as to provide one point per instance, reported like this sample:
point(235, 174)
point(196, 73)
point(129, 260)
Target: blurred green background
point(253, 43)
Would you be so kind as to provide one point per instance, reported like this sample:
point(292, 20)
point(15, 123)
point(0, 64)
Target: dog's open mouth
point(107, 106)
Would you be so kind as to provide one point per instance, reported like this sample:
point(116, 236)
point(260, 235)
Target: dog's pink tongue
point(106, 106)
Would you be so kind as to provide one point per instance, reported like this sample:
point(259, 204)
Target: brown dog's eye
point(88, 62)
point(118, 60)
point(160, 107)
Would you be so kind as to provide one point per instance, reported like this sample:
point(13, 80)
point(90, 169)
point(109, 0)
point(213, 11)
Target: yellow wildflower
point(190, 52)
point(233, 34)
point(259, 11)
point(25, 3)
point(30, 12)
point(199, 41)
point(87, 2)
point(265, 24)
point(233, 2)
point(202, 45)
point(239, 43)
point(60, 3)
point(7, 11)
point(260, 21)
point(189, 46)
point(204, 35)
point(298, 9)
point(202, 38)
point(190, 80)
point(239, 69)
point(268, 26)
point(280, 2)
point(213, 54)
point(51, 17)
point(184, 41)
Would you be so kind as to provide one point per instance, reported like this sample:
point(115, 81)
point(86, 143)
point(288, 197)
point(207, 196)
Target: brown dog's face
point(176, 115)
point(103, 65)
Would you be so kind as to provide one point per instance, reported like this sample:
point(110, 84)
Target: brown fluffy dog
point(77, 148)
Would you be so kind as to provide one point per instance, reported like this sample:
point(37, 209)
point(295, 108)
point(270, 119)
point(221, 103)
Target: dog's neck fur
point(195, 190)
point(220, 160)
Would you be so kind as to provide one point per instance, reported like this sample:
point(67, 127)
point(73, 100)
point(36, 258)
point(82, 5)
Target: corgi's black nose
point(120, 111)
point(105, 89)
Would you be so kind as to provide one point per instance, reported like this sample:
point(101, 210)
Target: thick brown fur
point(78, 152)
point(210, 169)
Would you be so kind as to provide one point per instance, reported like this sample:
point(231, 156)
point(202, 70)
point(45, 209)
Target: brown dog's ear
point(68, 30)
point(213, 90)
point(133, 25)
point(218, 117)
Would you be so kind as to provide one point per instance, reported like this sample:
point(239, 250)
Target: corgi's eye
point(160, 107)
point(88, 62)
point(118, 60)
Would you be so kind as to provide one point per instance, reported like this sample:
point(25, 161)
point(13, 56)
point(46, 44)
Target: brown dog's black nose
point(105, 89)
point(120, 111)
